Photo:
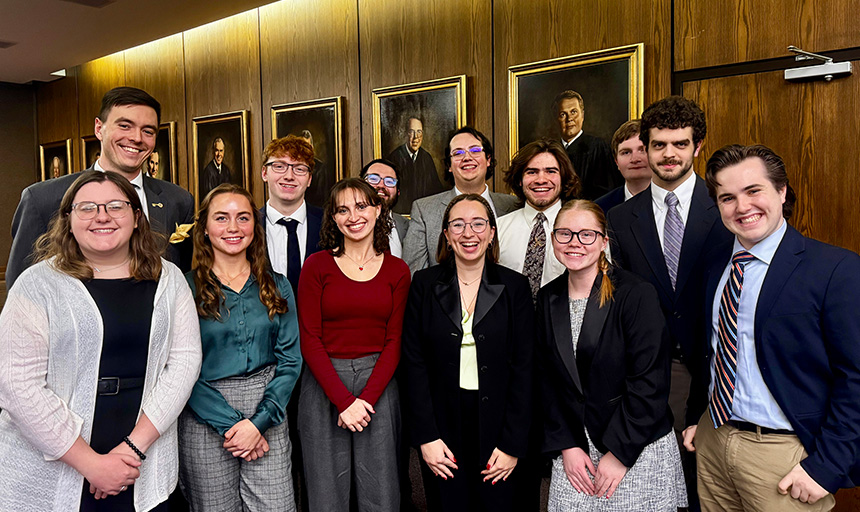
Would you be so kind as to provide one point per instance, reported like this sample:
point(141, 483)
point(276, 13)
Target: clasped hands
point(245, 441)
point(114, 472)
point(579, 471)
point(356, 417)
point(441, 461)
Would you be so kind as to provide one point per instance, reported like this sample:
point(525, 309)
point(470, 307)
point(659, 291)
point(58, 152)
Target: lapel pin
point(158, 205)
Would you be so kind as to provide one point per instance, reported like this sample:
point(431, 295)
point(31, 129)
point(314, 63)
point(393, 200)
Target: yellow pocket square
point(181, 233)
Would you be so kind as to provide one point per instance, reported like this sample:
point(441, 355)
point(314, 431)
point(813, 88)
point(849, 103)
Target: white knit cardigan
point(50, 344)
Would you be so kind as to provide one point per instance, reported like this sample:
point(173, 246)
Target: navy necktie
point(294, 258)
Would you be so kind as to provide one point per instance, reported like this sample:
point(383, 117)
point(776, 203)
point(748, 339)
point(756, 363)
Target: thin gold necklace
point(230, 280)
point(464, 283)
point(106, 269)
point(360, 265)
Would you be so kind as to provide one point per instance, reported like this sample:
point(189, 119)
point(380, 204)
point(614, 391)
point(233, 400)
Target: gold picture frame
point(231, 129)
point(438, 106)
point(165, 148)
point(610, 82)
point(59, 152)
point(90, 151)
point(319, 121)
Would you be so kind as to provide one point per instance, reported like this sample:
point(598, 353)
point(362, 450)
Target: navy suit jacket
point(609, 201)
point(636, 247)
point(807, 344)
point(168, 205)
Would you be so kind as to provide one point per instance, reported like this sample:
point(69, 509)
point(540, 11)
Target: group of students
point(121, 377)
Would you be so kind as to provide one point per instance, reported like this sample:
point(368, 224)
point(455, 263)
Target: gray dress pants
point(336, 458)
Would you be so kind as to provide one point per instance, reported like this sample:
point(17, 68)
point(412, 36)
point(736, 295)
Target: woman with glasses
point(603, 360)
point(467, 350)
point(233, 436)
point(351, 300)
point(100, 349)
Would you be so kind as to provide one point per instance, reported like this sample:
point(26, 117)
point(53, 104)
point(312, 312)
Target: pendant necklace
point(231, 279)
point(100, 270)
point(360, 265)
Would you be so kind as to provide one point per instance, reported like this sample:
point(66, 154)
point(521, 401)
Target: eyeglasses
point(459, 154)
point(374, 180)
point(585, 236)
point(458, 226)
point(87, 210)
point(281, 168)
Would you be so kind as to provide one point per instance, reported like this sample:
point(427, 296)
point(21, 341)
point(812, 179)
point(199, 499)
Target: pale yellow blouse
point(468, 356)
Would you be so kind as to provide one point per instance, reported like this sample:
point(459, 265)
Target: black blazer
point(807, 345)
point(168, 205)
point(617, 385)
point(636, 247)
point(611, 199)
point(503, 333)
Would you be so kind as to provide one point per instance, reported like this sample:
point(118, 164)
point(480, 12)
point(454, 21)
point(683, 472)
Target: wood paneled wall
point(57, 116)
point(94, 79)
point(309, 50)
point(734, 31)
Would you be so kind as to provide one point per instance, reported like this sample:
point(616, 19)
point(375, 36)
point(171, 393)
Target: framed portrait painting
point(91, 150)
point(161, 164)
point(609, 83)
point(320, 122)
point(220, 151)
point(55, 159)
point(411, 124)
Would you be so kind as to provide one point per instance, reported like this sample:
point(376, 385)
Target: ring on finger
point(124, 487)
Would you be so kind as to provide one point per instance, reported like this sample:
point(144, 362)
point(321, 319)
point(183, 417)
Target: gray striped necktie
point(673, 235)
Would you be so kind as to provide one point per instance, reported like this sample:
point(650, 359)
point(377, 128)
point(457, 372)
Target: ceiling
point(50, 35)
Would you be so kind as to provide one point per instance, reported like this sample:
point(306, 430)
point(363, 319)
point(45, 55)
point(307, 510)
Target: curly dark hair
point(734, 154)
point(485, 143)
point(331, 238)
point(673, 112)
point(209, 296)
point(144, 248)
point(444, 253)
point(570, 183)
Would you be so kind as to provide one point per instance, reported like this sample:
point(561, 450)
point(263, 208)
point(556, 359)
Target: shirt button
point(485, 399)
point(484, 369)
point(241, 322)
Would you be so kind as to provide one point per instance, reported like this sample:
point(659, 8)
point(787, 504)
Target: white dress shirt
point(394, 244)
point(567, 143)
point(276, 235)
point(486, 195)
point(515, 229)
point(684, 192)
point(137, 183)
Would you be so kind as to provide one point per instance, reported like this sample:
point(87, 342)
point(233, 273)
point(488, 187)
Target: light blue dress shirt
point(753, 401)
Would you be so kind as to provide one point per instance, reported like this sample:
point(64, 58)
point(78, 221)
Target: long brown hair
point(331, 238)
point(209, 296)
point(444, 254)
point(606, 286)
point(58, 242)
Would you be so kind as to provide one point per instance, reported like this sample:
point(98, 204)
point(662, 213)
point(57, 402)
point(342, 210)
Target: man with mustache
point(665, 234)
point(589, 155)
point(384, 176)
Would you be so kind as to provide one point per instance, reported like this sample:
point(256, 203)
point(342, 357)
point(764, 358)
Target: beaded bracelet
point(133, 447)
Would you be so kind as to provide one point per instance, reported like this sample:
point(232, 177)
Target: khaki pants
point(740, 471)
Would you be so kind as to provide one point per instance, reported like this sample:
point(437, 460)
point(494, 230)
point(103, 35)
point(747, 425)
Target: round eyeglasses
point(459, 154)
point(87, 210)
point(458, 226)
point(281, 168)
point(585, 236)
point(375, 179)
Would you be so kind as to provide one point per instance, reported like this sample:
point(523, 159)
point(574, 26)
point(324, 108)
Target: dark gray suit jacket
point(168, 205)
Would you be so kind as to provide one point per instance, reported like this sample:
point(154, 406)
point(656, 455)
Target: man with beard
point(216, 171)
point(385, 178)
point(590, 155)
point(542, 177)
point(664, 234)
point(416, 166)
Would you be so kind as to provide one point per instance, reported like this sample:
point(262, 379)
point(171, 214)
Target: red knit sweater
point(345, 319)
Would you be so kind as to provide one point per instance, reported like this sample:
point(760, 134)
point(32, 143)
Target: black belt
point(113, 385)
point(752, 427)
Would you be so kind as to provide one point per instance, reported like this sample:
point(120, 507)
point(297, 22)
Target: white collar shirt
point(684, 192)
point(276, 235)
point(515, 229)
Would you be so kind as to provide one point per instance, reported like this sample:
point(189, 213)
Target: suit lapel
point(786, 258)
point(488, 293)
point(559, 312)
point(155, 205)
point(645, 231)
point(447, 293)
point(592, 326)
point(314, 225)
point(699, 222)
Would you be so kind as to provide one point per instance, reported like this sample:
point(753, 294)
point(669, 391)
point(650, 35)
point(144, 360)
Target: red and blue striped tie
point(726, 363)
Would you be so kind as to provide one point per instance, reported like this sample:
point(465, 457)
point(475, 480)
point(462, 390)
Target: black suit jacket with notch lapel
point(432, 335)
point(617, 384)
point(635, 246)
point(168, 205)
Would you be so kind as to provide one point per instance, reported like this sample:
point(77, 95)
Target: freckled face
point(574, 255)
